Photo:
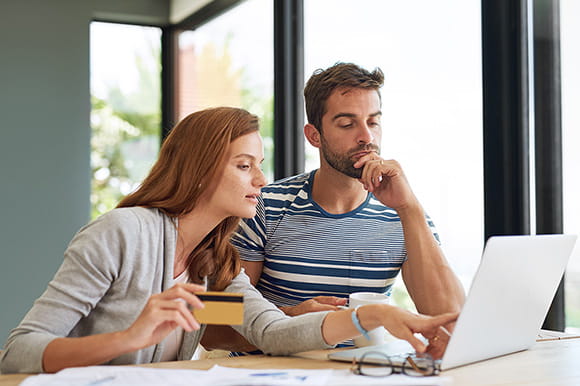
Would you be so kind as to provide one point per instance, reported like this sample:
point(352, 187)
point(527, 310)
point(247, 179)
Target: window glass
point(430, 52)
point(570, 62)
point(126, 112)
point(229, 62)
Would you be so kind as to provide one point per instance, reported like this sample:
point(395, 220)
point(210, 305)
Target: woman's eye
point(244, 167)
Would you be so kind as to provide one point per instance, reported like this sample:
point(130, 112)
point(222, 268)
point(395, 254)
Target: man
point(349, 226)
point(352, 224)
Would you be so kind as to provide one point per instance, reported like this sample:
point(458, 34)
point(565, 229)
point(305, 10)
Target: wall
point(44, 142)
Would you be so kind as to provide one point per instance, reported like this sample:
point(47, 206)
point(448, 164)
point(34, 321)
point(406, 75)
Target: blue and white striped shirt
point(308, 252)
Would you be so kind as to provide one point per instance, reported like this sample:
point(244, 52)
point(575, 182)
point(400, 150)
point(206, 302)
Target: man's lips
point(361, 154)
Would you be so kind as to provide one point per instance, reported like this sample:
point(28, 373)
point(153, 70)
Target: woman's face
point(239, 186)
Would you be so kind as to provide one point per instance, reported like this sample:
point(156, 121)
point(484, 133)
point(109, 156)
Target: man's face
point(351, 128)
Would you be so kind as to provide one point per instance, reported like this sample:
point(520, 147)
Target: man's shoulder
point(292, 182)
point(288, 187)
point(284, 192)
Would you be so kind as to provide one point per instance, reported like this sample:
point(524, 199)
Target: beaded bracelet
point(357, 324)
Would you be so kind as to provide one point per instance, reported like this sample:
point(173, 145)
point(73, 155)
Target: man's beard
point(343, 162)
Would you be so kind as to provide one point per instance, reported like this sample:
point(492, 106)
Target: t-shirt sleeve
point(432, 227)
point(250, 238)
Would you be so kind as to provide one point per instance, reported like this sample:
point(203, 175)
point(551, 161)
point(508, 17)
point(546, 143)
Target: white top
point(172, 342)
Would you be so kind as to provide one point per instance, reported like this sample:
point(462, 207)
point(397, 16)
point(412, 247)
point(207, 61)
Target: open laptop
point(506, 305)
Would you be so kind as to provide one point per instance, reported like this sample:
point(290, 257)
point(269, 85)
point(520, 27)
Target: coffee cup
point(378, 335)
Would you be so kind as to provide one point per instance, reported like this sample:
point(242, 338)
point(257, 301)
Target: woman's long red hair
point(190, 158)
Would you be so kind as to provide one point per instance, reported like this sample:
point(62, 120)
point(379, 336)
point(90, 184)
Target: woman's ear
point(312, 135)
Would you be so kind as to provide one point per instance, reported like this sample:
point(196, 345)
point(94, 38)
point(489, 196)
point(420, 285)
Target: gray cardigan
point(110, 269)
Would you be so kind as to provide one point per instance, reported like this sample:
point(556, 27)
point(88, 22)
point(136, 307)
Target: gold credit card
point(220, 308)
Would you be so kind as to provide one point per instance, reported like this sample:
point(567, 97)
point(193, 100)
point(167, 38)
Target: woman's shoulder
point(132, 215)
point(121, 220)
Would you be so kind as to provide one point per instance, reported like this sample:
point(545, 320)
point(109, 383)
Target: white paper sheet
point(218, 376)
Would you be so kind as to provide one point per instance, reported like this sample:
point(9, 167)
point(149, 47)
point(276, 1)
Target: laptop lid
point(507, 302)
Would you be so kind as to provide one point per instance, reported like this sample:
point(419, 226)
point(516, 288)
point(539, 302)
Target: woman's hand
point(163, 313)
point(404, 324)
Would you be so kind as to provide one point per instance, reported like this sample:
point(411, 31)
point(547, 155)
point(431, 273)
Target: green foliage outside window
point(126, 127)
point(126, 130)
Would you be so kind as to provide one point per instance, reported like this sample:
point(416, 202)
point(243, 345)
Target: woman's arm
point(163, 313)
point(338, 325)
point(271, 331)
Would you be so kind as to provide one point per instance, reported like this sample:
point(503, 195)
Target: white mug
point(377, 336)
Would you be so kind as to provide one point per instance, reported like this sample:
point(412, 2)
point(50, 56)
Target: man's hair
point(339, 76)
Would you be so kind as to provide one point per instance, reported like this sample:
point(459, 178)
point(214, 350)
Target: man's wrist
point(410, 211)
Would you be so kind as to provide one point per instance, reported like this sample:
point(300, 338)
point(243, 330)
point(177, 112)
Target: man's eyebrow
point(345, 115)
point(351, 115)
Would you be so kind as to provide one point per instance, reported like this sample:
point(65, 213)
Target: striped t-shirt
point(308, 252)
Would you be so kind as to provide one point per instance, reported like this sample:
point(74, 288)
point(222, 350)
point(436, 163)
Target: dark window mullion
point(548, 136)
point(169, 84)
point(288, 86)
point(505, 117)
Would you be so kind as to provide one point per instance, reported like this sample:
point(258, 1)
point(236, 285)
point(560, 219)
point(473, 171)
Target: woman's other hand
point(163, 313)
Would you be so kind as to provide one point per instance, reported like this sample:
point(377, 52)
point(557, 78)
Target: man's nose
point(365, 134)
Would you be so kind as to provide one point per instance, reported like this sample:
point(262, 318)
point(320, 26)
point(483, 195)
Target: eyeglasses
point(378, 364)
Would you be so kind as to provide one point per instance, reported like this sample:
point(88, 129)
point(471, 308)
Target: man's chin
point(352, 173)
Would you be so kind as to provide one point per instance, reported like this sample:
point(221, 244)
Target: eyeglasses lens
point(375, 365)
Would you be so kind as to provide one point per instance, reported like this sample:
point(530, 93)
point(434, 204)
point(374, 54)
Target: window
point(126, 109)
point(570, 62)
point(430, 53)
point(229, 62)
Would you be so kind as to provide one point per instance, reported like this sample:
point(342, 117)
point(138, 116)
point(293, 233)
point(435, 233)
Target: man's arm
point(430, 281)
point(428, 277)
point(253, 270)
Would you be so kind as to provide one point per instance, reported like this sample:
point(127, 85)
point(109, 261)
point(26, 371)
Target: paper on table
point(218, 376)
point(230, 376)
point(346, 377)
point(119, 375)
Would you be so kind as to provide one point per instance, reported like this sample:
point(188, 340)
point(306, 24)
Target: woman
point(122, 293)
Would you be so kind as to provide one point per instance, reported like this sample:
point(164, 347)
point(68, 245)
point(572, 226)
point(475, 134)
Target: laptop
point(506, 305)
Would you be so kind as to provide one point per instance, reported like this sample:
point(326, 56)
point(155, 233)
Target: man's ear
point(312, 135)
